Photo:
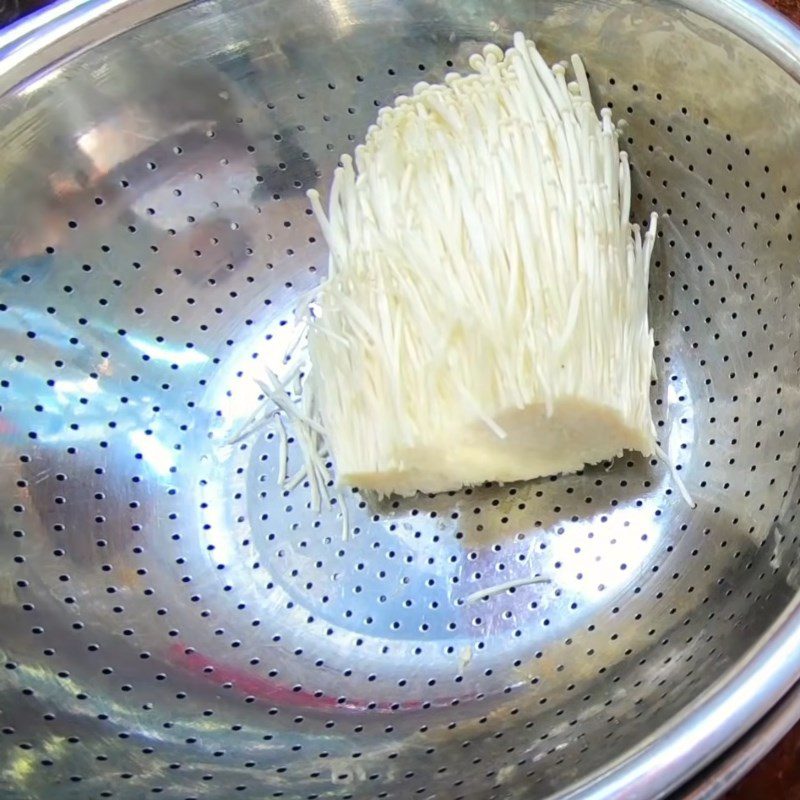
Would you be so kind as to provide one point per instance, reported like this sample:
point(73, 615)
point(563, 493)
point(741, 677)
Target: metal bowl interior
point(175, 624)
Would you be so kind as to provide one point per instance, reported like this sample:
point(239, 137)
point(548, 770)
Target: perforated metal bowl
point(173, 624)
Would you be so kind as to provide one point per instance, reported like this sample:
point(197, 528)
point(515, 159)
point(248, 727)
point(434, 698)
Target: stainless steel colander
point(173, 624)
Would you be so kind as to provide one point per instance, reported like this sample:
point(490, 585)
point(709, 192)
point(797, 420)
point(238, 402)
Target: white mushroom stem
point(485, 313)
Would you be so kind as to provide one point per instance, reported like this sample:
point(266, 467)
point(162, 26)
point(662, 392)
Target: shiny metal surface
point(175, 625)
point(746, 754)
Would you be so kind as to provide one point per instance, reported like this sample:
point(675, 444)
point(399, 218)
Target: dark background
point(11, 10)
point(777, 777)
